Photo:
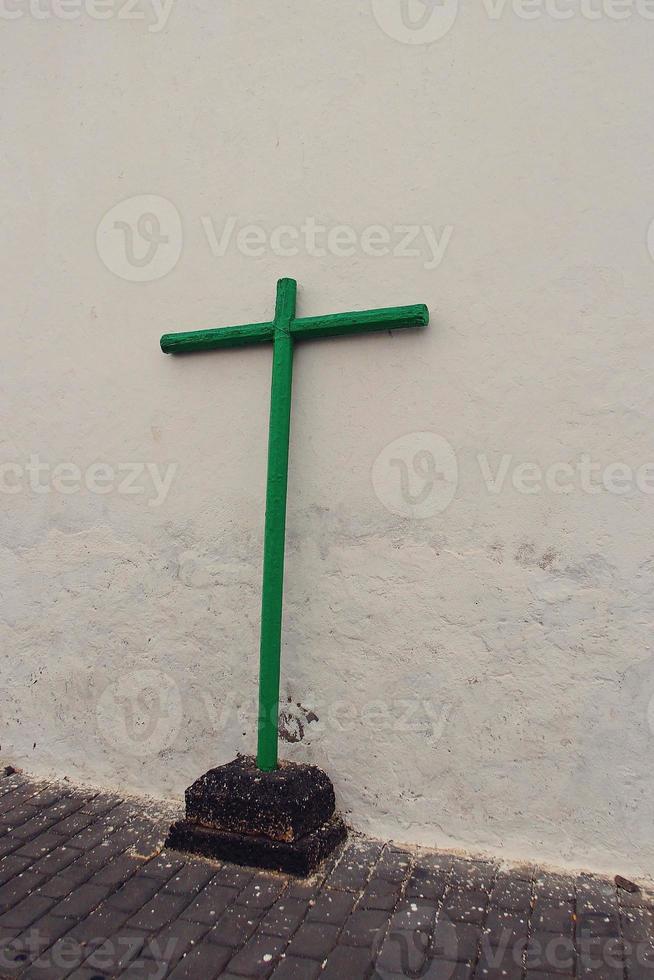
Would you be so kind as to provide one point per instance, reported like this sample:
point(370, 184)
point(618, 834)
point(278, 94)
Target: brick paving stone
point(258, 957)
point(603, 926)
point(465, 943)
point(360, 850)
point(8, 934)
point(96, 857)
point(18, 888)
point(159, 912)
point(550, 953)
point(10, 785)
point(60, 886)
point(474, 874)
point(380, 894)
point(39, 846)
point(432, 969)
point(434, 861)
point(261, 893)
point(503, 962)
point(27, 911)
point(364, 928)
point(636, 971)
point(235, 926)
point(315, 940)
point(76, 874)
point(348, 876)
point(296, 968)
point(466, 905)
point(305, 889)
point(16, 817)
point(69, 803)
point(147, 840)
point(14, 962)
point(117, 871)
point(116, 952)
point(284, 917)
point(97, 833)
point(404, 951)
point(348, 961)
point(55, 861)
point(393, 865)
point(170, 944)
point(353, 870)
point(163, 866)
point(30, 947)
point(602, 972)
point(46, 931)
point(204, 961)
point(232, 876)
point(11, 866)
point(331, 906)
point(593, 891)
point(163, 951)
point(410, 914)
point(8, 845)
point(102, 924)
point(597, 904)
point(56, 962)
point(511, 894)
point(554, 888)
point(506, 928)
point(444, 970)
point(101, 804)
point(554, 918)
point(637, 924)
point(148, 969)
point(73, 824)
point(81, 901)
point(135, 893)
point(635, 900)
point(210, 904)
point(38, 824)
point(189, 880)
point(425, 883)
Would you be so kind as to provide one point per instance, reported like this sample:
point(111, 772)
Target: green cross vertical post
point(283, 331)
point(272, 592)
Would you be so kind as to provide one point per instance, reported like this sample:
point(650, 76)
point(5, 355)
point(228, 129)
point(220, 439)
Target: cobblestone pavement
point(87, 892)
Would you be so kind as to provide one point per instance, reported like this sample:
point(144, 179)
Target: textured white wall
point(480, 667)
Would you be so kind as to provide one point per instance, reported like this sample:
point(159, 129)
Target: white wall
point(481, 669)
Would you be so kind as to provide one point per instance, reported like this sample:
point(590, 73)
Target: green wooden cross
point(283, 331)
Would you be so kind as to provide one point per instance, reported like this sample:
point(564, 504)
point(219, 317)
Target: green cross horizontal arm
point(283, 331)
point(334, 325)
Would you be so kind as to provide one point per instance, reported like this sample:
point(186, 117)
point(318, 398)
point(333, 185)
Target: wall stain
point(293, 721)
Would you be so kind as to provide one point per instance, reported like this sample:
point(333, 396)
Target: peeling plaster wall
point(476, 676)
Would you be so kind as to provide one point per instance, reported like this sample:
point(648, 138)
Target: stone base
point(299, 857)
point(284, 804)
point(282, 820)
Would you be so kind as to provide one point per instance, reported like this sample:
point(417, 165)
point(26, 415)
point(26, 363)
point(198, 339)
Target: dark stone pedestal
point(282, 820)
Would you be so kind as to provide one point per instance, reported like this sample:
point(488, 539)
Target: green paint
point(275, 528)
point(283, 331)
